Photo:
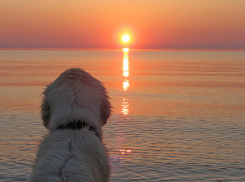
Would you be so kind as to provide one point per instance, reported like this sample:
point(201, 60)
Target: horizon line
point(133, 49)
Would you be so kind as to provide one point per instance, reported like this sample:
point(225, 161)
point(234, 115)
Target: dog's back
point(71, 155)
point(75, 107)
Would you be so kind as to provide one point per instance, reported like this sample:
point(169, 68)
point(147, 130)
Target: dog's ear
point(45, 110)
point(105, 109)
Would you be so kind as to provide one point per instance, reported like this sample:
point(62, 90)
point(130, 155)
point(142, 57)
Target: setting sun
point(125, 35)
point(126, 38)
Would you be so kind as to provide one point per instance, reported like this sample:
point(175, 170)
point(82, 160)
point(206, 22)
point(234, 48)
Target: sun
point(126, 38)
point(125, 35)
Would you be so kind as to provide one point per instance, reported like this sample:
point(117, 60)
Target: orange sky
point(97, 24)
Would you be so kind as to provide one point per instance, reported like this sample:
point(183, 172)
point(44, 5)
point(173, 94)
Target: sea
point(178, 115)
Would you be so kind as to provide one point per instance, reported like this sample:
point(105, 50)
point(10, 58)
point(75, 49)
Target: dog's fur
point(72, 151)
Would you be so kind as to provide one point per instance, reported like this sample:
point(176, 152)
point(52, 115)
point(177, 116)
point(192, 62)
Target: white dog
point(74, 108)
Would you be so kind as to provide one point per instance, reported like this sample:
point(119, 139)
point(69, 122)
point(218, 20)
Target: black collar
point(77, 125)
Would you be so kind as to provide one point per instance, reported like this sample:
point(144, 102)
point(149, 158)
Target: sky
point(151, 24)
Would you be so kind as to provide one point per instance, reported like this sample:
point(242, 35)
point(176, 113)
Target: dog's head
point(75, 95)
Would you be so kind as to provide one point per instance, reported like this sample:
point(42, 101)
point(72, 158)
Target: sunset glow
point(145, 24)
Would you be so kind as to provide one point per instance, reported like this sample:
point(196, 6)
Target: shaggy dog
point(74, 108)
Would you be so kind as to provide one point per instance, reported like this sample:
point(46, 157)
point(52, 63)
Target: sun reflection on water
point(125, 69)
point(122, 153)
point(125, 49)
point(125, 105)
point(125, 85)
point(125, 63)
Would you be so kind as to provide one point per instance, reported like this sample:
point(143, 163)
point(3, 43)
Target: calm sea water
point(177, 116)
